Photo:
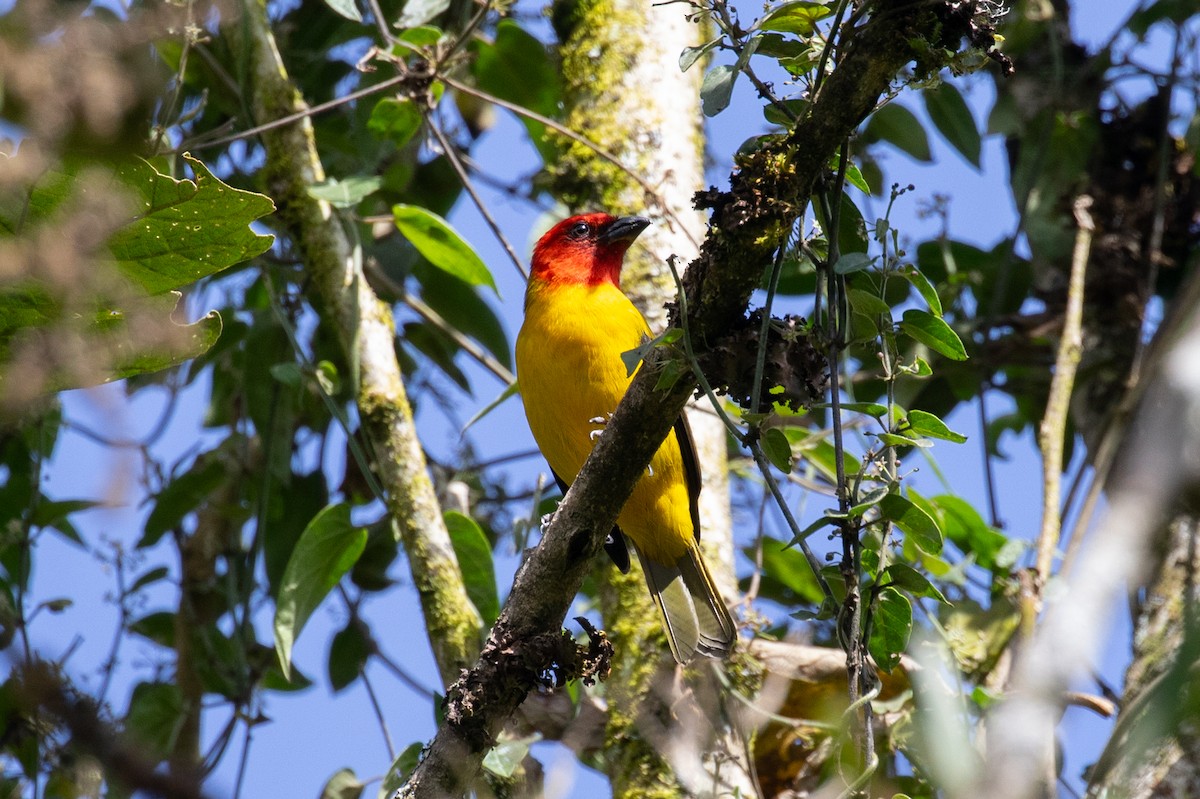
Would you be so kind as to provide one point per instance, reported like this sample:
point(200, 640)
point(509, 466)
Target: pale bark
point(1154, 750)
point(366, 329)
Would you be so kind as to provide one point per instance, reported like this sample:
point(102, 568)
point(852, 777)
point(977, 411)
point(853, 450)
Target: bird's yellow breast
point(570, 371)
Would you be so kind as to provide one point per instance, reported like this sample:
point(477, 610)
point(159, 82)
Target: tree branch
point(767, 194)
point(366, 329)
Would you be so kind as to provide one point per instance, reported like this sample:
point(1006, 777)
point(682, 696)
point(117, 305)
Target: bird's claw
point(600, 420)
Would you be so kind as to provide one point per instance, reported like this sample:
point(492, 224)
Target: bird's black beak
point(625, 229)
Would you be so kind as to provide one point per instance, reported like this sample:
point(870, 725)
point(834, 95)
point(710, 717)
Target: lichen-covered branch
point(768, 193)
point(366, 329)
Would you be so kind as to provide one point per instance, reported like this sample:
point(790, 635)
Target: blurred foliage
point(105, 221)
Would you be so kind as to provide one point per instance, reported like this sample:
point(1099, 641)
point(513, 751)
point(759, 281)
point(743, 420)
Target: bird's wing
point(691, 469)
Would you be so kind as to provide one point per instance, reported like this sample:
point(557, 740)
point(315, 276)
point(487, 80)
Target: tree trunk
point(1155, 748)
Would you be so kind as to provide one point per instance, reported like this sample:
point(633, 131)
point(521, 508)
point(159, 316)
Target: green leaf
point(463, 308)
point(911, 580)
point(418, 12)
point(346, 193)
point(916, 523)
point(869, 408)
point(152, 576)
point(691, 55)
point(891, 626)
point(778, 449)
point(924, 287)
point(852, 229)
point(894, 440)
point(928, 425)
point(183, 495)
point(976, 635)
point(327, 549)
point(853, 262)
point(135, 355)
point(186, 229)
point(343, 785)
point(474, 553)
point(717, 89)
point(934, 333)
point(506, 757)
point(867, 303)
point(158, 627)
point(953, 119)
point(395, 120)
point(787, 577)
point(868, 501)
point(517, 67)
point(401, 767)
point(898, 126)
point(968, 531)
point(797, 16)
point(441, 245)
point(155, 717)
point(345, 8)
point(348, 653)
point(854, 177)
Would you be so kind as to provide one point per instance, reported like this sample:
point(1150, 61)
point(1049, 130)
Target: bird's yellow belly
point(570, 371)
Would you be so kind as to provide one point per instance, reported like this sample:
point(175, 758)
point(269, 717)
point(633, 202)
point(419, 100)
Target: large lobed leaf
point(186, 229)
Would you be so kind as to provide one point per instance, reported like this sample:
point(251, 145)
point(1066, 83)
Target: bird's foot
point(600, 420)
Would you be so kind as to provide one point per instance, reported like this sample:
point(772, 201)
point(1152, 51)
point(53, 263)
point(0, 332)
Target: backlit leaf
point(934, 333)
point(441, 244)
point(475, 562)
point(327, 549)
point(891, 626)
point(927, 424)
point(916, 523)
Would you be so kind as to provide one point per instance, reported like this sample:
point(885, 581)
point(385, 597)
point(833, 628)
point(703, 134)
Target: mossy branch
point(767, 195)
point(366, 329)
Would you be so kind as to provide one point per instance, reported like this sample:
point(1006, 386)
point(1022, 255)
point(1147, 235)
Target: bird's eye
point(580, 230)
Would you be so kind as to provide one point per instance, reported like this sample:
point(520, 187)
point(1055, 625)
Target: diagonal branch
point(766, 197)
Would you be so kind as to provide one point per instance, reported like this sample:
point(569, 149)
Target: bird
point(571, 378)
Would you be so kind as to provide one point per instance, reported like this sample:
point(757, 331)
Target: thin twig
point(578, 138)
point(309, 111)
point(1052, 430)
point(464, 178)
point(481, 356)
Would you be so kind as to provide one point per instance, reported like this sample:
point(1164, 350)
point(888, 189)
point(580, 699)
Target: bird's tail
point(693, 614)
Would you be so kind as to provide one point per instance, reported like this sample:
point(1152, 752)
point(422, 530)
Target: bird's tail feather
point(693, 614)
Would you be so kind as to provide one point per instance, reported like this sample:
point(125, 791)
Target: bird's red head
point(586, 249)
